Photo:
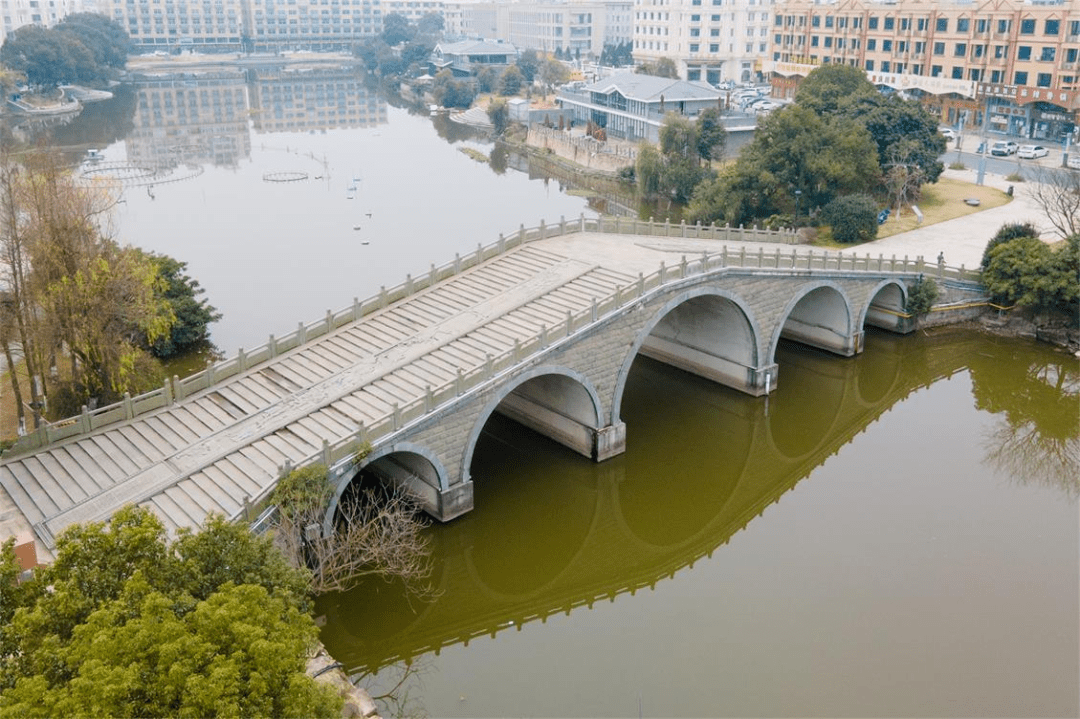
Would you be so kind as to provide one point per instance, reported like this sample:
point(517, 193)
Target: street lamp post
point(798, 195)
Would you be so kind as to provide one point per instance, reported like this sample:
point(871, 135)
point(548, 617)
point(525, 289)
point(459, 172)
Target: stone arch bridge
point(542, 327)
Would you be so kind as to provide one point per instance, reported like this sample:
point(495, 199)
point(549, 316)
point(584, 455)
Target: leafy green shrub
point(1027, 272)
point(853, 218)
point(1008, 231)
point(922, 294)
point(957, 166)
point(1015, 177)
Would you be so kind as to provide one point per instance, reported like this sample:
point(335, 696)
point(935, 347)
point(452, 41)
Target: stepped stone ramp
point(210, 452)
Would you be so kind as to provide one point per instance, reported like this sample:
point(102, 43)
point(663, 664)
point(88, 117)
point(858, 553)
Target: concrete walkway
point(964, 238)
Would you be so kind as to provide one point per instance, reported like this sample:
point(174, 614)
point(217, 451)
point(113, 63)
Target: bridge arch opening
point(819, 316)
point(886, 308)
point(404, 465)
point(556, 402)
point(707, 332)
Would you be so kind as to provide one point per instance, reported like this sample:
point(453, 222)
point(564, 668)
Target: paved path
point(964, 238)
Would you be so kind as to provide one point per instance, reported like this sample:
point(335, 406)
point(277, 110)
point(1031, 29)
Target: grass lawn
point(944, 200)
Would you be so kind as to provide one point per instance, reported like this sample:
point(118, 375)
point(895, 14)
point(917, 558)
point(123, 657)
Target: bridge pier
point(823, 338)
point(754, 381)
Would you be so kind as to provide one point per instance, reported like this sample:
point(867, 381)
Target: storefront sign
point(933, 85)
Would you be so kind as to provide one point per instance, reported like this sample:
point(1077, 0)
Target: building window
point(1047, 54)
point(890, 23)
point(942, 24)
point(1074, 28)
point(814, 41)
point(1070, 54)
point(828, 21)
point(920, 47)
point(939, 48)
point(1052, 27)
point(871, 44)
point(920, 25)
point(960, 50)
point(885, 66)
point(869, 65)
point(958, 73)
point(828, 41)
point(1023, 52)
point(995, 76)
point(695, 32)
point(978, 50)
point(872, 24)
point(1020, 78)
point(935, 71)
point(1003, 26)
point(963, 25)
point(975, 74)
point(999, 51)
point(886, 45)
point(714, 47)
point(1027, 27)
point(1043, 79)
point(815, 21)
point(905, 23)
point(981, 25)
point(694, 47)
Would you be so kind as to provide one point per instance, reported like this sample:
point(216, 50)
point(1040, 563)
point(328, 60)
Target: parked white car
point(948, 132)
point(1074, 161)
point(1030, 152)
point(1003, 147)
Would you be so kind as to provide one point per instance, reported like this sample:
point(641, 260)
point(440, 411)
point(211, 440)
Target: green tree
point(431, 24)
point(511, 81)
point(853, 218)
point(648, 167)
point(830, 87)
point(487, 79)
point(102, 36)
point(125, 623)
point(712, 137)
point(528, 63)
point(397, 29)
point(1006, 233)
point(499, 114)
point(554, 73)
point(903, 130)
point(192, 314)
point(1025, 271)
point(795, 149)
point(922, 294)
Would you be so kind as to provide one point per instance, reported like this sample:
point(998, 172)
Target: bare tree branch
point(1057, 192)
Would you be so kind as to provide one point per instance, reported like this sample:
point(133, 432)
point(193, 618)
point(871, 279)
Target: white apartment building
point(413, 10)
point(252, 25)
point(46, 13)
point(581, 27)
point(710, 40)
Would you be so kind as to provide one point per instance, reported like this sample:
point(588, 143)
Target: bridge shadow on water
point(553, 531)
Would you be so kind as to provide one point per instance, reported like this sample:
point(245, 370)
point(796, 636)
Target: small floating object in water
point(356, 227)
point(365, 242)
point(349, 197)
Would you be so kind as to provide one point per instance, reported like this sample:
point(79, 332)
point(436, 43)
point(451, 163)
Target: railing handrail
point(216, 373)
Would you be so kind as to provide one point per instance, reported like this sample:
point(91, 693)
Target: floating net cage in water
point(285, 176)
point(138, 174)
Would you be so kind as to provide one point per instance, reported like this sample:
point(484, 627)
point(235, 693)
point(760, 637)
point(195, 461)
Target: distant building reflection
point(208, 117)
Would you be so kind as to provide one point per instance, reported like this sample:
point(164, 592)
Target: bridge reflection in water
point(555, 531)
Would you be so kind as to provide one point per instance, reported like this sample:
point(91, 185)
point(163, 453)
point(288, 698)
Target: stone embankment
point(358, 703)
point(584, 151)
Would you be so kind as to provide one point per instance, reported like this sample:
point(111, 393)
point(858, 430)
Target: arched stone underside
point(710, 336)
point(886, 308)
point(402, 464)
point(820, 316)
point(557, 402)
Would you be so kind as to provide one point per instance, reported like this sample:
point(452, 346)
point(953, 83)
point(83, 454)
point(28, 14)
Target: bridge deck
point(210, 451)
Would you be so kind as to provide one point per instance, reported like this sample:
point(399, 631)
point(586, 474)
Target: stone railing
point(176, 389)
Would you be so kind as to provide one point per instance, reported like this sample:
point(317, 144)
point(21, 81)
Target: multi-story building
point(412, 10)
point(1004, 66)
point(46, 13)
point(294, 100)
point(710, 40)
point(253, 25)
point(580, 27)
